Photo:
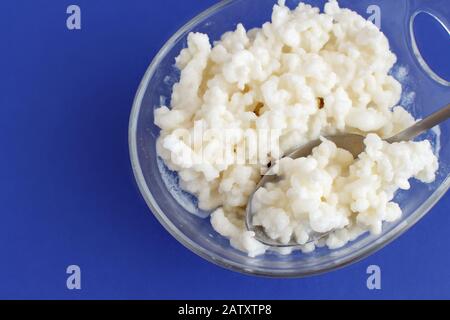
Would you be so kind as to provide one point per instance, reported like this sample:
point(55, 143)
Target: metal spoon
point(351, 142)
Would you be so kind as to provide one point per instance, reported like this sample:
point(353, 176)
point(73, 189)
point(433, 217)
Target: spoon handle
point(422, 126)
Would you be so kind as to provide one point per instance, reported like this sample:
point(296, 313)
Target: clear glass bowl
point(431, 92)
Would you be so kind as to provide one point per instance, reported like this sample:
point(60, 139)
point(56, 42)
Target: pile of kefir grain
point(302, 76)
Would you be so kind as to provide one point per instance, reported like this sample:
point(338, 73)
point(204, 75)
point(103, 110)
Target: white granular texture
point(272, 78)
point(329, 190)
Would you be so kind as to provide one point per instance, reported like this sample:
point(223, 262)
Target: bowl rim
point(152, 204)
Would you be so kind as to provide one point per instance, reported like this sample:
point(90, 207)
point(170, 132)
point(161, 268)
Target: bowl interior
point(173, 208)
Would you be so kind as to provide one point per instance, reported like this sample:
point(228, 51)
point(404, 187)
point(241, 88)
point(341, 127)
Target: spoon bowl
point(354, 143)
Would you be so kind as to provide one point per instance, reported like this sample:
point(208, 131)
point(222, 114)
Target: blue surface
point(67, 194)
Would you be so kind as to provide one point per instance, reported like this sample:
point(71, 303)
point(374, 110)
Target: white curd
point(301, 76)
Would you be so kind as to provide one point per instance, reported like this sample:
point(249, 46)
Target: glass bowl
point(195, 232)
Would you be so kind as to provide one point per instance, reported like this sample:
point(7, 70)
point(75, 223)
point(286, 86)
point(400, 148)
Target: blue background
point(67, 193)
